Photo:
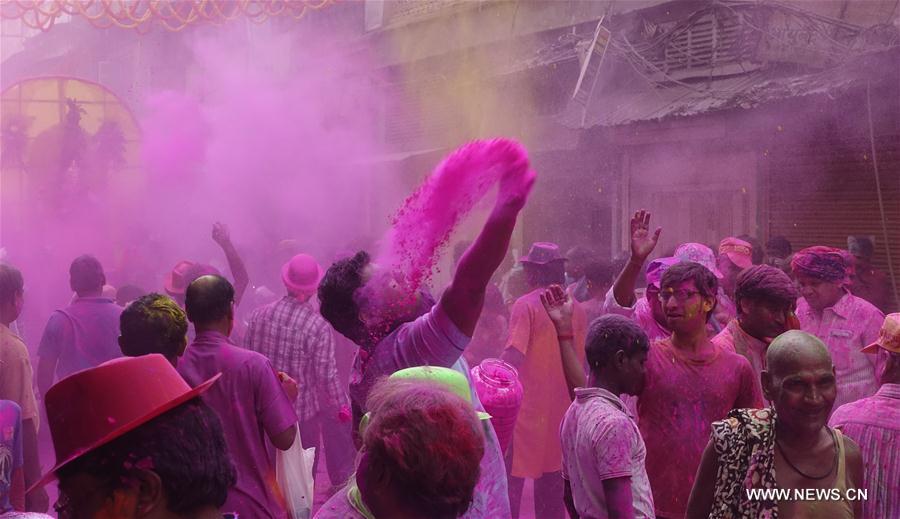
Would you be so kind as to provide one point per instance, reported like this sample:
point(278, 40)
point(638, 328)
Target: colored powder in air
point(423, 224)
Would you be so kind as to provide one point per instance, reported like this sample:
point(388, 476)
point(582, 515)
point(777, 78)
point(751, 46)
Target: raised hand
point(559, 307)
point(517, 178)
point(642, 242)
point(220, 234)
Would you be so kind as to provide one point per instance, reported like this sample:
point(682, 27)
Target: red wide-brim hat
point(93, 407)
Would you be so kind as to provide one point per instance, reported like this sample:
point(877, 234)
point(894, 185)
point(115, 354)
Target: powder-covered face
point(385, 299)
point(685, 308)
point(818, 293)
point(763, 319)
point(804, 393)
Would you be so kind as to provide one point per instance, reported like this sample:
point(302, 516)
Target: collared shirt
point(734, 338)
point(846, 328)
point(874, 423)
point(600, 441)
point(545, 398)
point(433, 340)
point(295, 337)
point(640, 312)
point(16, 374)
point(685, 393)
point(252, 407)
point(83, 335)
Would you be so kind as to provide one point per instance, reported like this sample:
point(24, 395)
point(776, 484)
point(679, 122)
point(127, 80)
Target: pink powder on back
point(423, 224)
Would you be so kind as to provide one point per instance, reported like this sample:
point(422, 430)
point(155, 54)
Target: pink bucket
point(498, 387)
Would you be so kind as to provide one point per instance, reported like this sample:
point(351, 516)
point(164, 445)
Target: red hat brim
point(125, 428)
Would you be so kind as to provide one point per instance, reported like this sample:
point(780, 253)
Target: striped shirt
point(846, 328)
point(874, 423)
point(298, 341)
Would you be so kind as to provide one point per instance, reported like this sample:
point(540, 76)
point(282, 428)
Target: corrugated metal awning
point(682, 100)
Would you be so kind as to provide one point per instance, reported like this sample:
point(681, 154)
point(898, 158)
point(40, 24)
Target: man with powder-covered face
point(691, 382)
point(844, 322)
point(396, 329)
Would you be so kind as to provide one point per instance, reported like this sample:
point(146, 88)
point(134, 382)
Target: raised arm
point(463, 299)
point(238, 270)
point(642, 244)
point(560, 307)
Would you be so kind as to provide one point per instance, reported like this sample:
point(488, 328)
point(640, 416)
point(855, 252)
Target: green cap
point(452, 379)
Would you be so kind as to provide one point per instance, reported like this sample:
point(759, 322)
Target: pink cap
point(738, 251)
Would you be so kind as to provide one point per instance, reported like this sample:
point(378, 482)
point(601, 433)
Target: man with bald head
point(787, 446)
point(256, 411)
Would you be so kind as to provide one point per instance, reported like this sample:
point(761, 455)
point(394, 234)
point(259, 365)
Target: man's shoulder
point(12, 343)
point(851, 411)
point(863, 308)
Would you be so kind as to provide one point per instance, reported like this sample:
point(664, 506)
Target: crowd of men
point(744, 368)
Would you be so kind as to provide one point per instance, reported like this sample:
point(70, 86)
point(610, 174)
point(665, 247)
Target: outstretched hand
point(642, 242)
point(220, 234)
point(559, 307)
point(517, 177)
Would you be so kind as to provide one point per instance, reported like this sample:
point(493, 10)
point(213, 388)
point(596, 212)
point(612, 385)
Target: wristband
point(566, 337)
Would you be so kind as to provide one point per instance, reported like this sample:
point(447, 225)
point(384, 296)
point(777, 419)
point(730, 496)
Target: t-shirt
point(434, 340)
point(83, 335)
point(10, 449)
point(252, 406)
point(684, 394)
point(545, 398)
point(16, 374)
point(601, 441)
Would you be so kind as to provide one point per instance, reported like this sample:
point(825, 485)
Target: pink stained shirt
point(874, 423)
point(847, 327)
point(252, 406)
point(535, 446)
point(684, 394)
point(600, 441)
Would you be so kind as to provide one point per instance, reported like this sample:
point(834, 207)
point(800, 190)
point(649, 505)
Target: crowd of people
point(726, 372)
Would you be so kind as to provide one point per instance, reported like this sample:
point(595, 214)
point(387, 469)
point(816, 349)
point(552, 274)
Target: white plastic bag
point(294, 472)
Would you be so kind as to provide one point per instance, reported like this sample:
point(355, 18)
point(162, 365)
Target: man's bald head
point(208, 300)
point(794, 351)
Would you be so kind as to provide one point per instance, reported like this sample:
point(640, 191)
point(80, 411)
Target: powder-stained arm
point(642, 244)
point(241, 278)
point(464, 298)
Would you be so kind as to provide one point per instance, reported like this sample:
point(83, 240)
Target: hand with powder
point(517, 177)
point(220, 234)
point(290, 386)
point(559, 307)
point(642, 241)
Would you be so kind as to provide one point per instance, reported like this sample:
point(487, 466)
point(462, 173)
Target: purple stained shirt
point(846, 328)
point(252, 407)
point(433, 340)
point(83, 335)
point(874, 424)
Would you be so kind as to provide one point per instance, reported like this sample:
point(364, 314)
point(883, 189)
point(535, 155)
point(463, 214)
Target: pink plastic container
point(498, 387)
